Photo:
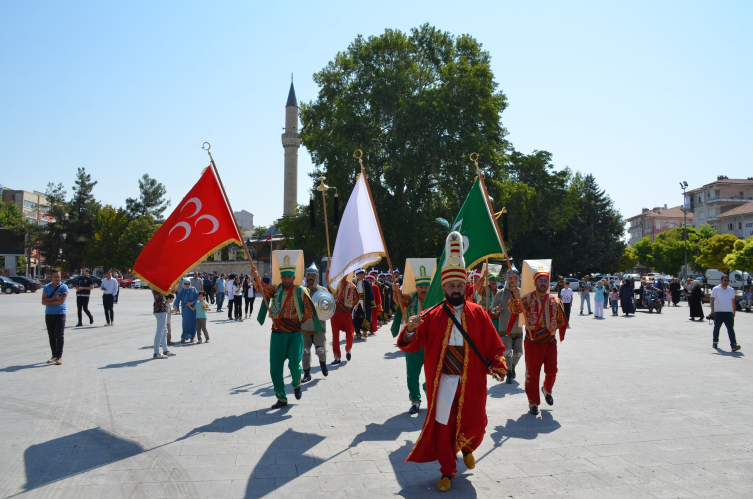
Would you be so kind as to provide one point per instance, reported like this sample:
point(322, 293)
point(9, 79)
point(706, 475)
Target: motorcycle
point(652, 301)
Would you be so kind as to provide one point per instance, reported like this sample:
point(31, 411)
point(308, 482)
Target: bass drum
point(324, 303)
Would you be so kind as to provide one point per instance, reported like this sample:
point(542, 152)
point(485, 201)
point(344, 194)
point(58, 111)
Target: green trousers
point(285, 346)
point(414, 361)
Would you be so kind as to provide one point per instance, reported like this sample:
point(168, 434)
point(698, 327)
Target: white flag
point(359, 242)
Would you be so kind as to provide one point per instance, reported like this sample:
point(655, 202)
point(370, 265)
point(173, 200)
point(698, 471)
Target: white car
point(137, 284)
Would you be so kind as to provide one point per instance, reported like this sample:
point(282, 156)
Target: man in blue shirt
point(54, 295)
point(209, 288)
point(219, 286)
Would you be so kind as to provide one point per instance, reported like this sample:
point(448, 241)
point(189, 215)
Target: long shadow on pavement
point(132, 363)
point(12, 369)
point(64, 457)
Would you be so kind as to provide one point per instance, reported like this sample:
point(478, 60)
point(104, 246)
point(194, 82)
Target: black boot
point(298, 393)
point(534, 410)
point(347, 355)
point(414, 408)
point(512, 369)
point(336, 361)
point(323, 365)
point(279, 404)
point(306, 376)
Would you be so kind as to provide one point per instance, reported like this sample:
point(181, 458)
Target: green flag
point(476, 223)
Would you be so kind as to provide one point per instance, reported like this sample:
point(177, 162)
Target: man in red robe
point(544, 315)
point(455, 375)
point(376, 308)
point(346, 297)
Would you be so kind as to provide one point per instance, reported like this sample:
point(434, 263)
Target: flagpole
point(379, 225)
point(474, 157)
point(237, 227)
point(324, 188)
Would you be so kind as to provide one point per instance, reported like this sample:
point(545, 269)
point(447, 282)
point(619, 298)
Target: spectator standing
point(161, 312)
point(54, 295)
point(265, 279)
point(118, 277)
point(83, 289)
point(109, 293)
point(566, 296)
point(560, 285)
point(626, 297)
point(723, 311)
point(688, 289)
point(219, 287)
point(238, 298)
point(613, 300)
point(747, 300)
point(187, 298)
point(201, 316)
point(230, 290)
point(585, 294)
point(197, 283)
point(695, 302)
point(248, 297)
point(600, 293)
point(208, 287)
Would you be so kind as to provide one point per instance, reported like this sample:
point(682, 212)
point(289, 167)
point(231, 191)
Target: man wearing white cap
point(311, 337)
point(461, 347)
point(543, 315)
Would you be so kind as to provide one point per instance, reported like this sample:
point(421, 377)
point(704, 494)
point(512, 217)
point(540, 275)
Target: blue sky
point(641, 94)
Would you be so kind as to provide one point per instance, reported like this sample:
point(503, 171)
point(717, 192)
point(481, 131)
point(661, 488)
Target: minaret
point(291, 143)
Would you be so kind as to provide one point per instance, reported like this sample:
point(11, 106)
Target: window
point(702, 215)
point(648, 225)
point(671, 224)
point(739, 225)
point(730, 226)
point(658, 224)
point(29, 205)
point(700, 198)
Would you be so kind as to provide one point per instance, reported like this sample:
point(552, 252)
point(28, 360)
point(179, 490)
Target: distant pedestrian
point(585, 294)
point(600, 297)
point(723, 311)
point(161, 311)
point(208, 288)
point(230, 290)
point(248, 297)
point(83, 288)
point(219, 287)
point(197, 282)
point(566, 296)
point(626, 297)
point(265, 279)
point(688, 288)
point(201, 316)
point(109, 293)
point(674, 291)
point(614, 298)
point(54, 295)
point(560, 286)
point(186, 299)
point(695, 301)
point(238, 298)
point(118, 277)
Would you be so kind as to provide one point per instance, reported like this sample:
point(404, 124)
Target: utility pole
point(684, 185)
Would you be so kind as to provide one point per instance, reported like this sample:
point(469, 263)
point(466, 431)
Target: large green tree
point(80, 223)
point(417, 104)
point(151, 200)
point(10, 215)
point(628, 260)
point(135, 237)
point(105, 249)
point(715, 250)
point(741, 257)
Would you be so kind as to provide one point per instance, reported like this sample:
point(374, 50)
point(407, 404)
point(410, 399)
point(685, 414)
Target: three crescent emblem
point(184, 225)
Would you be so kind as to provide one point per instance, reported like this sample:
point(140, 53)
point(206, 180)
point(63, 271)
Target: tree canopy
point(715, 250)
point(741, 257)
point(151, 200)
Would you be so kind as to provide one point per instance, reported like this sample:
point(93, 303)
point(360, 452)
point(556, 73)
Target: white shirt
point(724, 299)
point(566, 295)
point(251, 290)
point(359, 287)
point(110, 286)
point(448, 383)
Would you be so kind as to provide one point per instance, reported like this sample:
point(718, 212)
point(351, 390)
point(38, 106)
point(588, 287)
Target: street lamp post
point(684, 185)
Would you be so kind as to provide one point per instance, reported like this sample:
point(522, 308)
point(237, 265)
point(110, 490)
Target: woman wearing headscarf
point(238, 298)
point(696, 300)
point(186, 298)
point(248, 297)
point(626, 297)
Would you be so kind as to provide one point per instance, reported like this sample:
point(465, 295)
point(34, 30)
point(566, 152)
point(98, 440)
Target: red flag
point(269, 238)
point(200, 225)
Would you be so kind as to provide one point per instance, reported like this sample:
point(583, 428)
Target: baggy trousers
point(445, 438)
point(537, 355)
point(414, 361)
point(513, 349)
point(341, 321)
point(319, 342)
point(285, 346)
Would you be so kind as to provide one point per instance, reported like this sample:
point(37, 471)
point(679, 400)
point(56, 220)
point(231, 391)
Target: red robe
point(377, 308)
point(434, 335)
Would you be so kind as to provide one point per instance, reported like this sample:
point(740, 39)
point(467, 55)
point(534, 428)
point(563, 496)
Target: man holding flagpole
point(290, 307)
point(346, 297)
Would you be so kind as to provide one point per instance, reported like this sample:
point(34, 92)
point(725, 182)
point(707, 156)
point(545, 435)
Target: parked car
point(137, 284)
point(9, 286)
point(125, 283)
point(73, 281)
point(28, 283)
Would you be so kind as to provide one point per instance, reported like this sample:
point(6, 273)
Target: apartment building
point(711, 203)
point(33, 205)
point(738, 221)
point(655, 221)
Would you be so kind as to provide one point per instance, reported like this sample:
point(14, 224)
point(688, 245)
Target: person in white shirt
point(109, 291)
point(723, 311)
point(230, 291)
point(566, 297)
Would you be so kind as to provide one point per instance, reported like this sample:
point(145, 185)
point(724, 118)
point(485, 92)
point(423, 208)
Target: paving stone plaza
point(644, 408)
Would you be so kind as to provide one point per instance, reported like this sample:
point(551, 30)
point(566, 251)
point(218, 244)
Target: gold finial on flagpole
point(323, 188)
point(474, 157)
point(359, 155)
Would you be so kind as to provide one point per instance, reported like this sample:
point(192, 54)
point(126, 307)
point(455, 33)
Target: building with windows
point(738, 221)
point(711, 203)
point(655, 221)
point(33, 205)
